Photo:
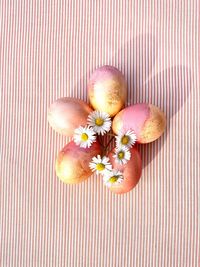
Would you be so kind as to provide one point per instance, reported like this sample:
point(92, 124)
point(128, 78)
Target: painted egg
point(72, 163)
point(131, 171)
point(107, 90)
point(66, 114)
point(147, 121)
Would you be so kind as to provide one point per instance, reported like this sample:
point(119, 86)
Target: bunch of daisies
point(99, 123)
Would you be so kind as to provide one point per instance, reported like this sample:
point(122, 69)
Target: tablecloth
point(48, 49)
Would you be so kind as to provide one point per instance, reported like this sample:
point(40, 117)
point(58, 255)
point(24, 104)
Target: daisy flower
point(126, 139)
point(100, 165)
point(113, 178)
point(84, 136)
point(122, 155)
point(100, 122)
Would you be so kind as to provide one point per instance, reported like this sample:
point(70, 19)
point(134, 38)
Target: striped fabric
point(48, 49)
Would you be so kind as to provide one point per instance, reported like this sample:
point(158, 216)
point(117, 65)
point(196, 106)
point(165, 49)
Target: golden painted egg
point(66, 114)
point(72, 163)
point(131, 171)
point(147, 121)
point(107, 90)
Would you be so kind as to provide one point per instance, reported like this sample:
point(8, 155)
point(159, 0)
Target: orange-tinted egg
point(72, 163)
point(131, 171)
point(66, 114)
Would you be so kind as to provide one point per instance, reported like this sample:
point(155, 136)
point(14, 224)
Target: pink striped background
point(48, 50)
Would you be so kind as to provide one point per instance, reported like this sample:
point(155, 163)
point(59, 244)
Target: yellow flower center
point(113, 179)
point(84, 137)
point(125, 140)
point(121, 155)
point(99, 121)
point(100, 166)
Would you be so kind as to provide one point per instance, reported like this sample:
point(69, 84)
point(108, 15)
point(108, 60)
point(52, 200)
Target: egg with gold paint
point(107, 90)
point(146, 120)
point(72, 163)
point(66, 114)
point(131, 172)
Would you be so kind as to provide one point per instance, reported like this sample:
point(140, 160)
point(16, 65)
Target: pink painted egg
point(147, 121)
point(107, 90)
point(72, 163)
point(66, 114)
point(131, 171)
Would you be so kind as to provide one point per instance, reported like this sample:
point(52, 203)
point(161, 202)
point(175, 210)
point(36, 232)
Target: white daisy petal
point(122, 155)
point(120, 180)
point(114, 177)
point(126, 139)
point(84, 136)
point(99, 121)
point(100, 165)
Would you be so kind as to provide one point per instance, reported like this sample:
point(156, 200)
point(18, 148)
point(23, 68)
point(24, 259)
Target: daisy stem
point(111, 134)
point(101, 142)
point(105, 148)
point(109, 142)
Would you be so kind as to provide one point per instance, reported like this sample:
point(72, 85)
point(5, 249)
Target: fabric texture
point(48, 49)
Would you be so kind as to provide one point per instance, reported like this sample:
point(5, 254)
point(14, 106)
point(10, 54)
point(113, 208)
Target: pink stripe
point(48, 49)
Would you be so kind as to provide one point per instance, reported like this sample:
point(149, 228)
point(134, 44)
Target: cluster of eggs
point(107, 92)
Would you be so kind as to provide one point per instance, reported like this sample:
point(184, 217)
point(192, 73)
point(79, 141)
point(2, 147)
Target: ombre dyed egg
point(66, 114)
point(107, 90)
point(72, 163)
point(147, 121)
point(131, 171)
